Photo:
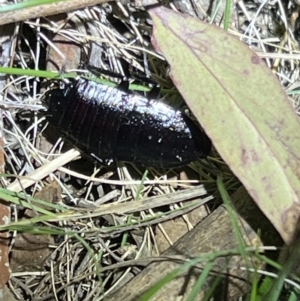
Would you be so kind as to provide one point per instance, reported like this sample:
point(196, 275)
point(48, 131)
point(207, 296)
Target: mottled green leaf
point(242, 108)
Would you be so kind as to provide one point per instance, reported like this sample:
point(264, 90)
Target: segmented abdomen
point(112, 124)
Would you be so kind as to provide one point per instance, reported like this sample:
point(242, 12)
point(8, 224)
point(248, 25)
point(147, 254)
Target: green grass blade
point(200, 282)
point(26, 4)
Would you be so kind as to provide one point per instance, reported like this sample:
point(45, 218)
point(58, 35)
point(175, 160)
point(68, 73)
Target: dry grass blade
point(44, 171)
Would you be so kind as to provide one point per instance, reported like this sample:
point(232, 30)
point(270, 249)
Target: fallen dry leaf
point(30, 251)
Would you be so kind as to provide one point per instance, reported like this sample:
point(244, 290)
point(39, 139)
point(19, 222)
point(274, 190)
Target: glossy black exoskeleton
point(111, 124)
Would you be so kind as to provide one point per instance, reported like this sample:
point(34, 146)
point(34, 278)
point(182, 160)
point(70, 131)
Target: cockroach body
point(108, 123)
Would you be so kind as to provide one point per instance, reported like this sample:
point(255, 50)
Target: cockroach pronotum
point(108, 123)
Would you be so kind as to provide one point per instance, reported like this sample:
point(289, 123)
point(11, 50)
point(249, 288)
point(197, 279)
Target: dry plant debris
point(91, 249)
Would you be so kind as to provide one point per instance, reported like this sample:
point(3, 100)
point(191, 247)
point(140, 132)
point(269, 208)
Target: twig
point(46, 10)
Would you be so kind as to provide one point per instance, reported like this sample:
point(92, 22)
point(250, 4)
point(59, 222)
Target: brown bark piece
point(30, 251)
point(71, 50)
point(177, 227)
point(214, 233)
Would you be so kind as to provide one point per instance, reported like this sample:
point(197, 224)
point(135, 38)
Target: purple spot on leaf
point(255, 59)
point(244, 156)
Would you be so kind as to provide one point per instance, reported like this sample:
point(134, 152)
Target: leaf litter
point(70, 258)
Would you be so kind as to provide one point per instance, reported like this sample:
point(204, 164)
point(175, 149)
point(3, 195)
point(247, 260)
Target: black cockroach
point(109, 123)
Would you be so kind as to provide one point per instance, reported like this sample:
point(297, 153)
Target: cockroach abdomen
point(113, 124)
